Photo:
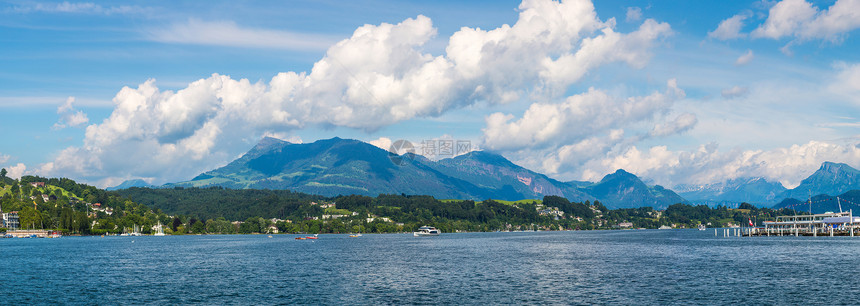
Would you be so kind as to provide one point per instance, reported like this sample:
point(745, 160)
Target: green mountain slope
point(624, 190)
point(830, 178)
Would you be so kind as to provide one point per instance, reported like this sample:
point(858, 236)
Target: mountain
point(757, 191)
point(825, 203)
point(337, 166)
point(625, 190)
point(494, 172)
point(130, 183)
point(830, 178)
point(332, 167)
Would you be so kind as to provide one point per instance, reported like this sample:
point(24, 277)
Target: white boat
point(702, 227)
point(665, 227)
point(426, 231)
point(158, 230)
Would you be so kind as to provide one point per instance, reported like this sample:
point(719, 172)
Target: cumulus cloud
point(69, 116)
point(802, 20)
point(744, 59)
point(707, 164)
point(4, 158)
point(377, 77)
point(729, 28)
point(382, 143)
point(734, 92)
point(633, 14)
point(228, 33)
point(16, 171)
point(575, 119)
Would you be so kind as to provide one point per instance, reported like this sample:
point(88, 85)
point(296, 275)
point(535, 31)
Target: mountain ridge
point(336, 166)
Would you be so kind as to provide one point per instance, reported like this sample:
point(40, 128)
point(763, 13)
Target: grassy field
point(335, 211)
point(526, 201)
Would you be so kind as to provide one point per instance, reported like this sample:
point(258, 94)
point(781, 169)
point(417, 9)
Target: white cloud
point(631, 48)
point(377, 77)
point(744, 59)
point(382, 143)
point(734, 92)
point(16, 171)
point(575, 119)
point(633, 14)
point(284, 136)
point(804, 21)
point(682, 123)
point(228, 33)
point(69, 116)
point(729, 28)
point(846, 82)
point(4, 158)
point(785, 18)
point(707, 164)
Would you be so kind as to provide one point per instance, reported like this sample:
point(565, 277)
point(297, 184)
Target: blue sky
point(679, 92)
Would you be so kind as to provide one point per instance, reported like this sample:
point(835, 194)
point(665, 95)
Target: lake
point(584, 267)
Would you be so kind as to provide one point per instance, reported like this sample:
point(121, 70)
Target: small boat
point(312, 237)
point(702, 227)
point(664, 227)
point(426, 231)
point(301, 238)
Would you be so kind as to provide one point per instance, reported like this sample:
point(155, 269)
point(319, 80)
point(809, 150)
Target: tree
point(176, 223)
point(198, 228)
point(3, 173)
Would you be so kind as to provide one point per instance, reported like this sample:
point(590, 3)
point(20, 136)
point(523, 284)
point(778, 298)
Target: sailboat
point(359, 232)
point(158, 230)
point(135, 231)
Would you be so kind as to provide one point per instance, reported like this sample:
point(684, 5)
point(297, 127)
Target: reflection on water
point(627, 267)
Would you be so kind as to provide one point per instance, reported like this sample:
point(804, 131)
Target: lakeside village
point(39, 207)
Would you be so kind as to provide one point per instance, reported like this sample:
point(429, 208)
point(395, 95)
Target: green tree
point(198, 227)
point(3, 173)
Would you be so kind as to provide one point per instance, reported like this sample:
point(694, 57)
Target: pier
point(28, 233)
point(826, 224)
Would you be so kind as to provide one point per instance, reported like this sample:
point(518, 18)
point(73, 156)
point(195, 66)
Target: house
point(45, 198)
point(332, 216)
point(37, 184)
point(11, 221)
point(625, 225)
point(272, 229)
point(552, 211)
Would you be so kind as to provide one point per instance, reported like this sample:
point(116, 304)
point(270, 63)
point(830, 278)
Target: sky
point(677, 92)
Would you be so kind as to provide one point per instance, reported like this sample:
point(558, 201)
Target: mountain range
point(336, 166)
point(754, 190)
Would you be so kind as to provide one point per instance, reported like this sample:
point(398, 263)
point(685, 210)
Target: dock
point(28, 233)
point(826, 224)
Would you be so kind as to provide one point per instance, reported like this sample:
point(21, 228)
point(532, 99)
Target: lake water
point(587, 267)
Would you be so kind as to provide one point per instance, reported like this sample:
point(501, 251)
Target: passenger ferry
point(426, 231)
